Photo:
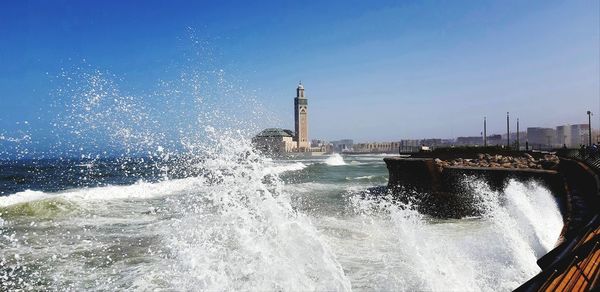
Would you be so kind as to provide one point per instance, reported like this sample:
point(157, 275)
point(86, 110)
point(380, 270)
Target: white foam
point(22, 197)
point(335, 160)
point(231, 229)
point(495, 252)
point(278, 169)
point(534, 210)
point(139, 190)
point(242, 234)
point(364, 177)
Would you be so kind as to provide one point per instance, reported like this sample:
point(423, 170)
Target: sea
point(233, 219)
point(160, 189)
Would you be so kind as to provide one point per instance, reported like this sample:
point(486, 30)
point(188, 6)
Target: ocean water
point(235, 220)
point(189, 205)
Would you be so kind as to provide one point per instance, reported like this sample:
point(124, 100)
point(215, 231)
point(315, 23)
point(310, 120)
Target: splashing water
point(240, 227)
point(198, 209)
point(413, 252)
point(225, 229)
point(226, 224)
point(335, 160)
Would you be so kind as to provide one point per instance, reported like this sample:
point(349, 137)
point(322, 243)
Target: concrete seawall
point(441, 193)
point(573, 265)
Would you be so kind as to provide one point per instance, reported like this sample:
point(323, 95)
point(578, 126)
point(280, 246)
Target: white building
point(277, 140)
point(537, 136)
point(342, 145)
point(579, 135)
point(572, 135)
point(274, 141)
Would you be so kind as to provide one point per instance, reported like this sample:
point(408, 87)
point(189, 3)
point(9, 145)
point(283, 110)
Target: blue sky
point(373, 70)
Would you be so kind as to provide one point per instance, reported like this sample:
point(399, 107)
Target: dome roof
point(274, 132)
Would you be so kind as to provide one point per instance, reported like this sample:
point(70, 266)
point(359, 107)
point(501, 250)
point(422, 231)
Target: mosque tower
point(301, 119)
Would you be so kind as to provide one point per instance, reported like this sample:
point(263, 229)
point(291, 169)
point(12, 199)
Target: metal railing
point(589, 158)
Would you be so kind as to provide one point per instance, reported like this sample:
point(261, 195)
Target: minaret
point(301, 118)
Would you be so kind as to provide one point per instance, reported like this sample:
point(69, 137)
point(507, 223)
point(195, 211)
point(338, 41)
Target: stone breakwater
point(547, 162)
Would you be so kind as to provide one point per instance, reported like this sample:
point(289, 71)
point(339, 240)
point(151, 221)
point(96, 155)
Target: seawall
point(439, 191)
point(574, 264)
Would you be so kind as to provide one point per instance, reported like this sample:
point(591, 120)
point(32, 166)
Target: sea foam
point(335, 160)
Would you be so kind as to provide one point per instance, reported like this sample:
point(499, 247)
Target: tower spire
point(300, 90)
point(301, 119)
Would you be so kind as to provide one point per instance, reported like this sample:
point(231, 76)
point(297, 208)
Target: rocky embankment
point(548, 162)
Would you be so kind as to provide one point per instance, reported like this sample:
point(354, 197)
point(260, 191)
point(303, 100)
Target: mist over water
point(187, 204)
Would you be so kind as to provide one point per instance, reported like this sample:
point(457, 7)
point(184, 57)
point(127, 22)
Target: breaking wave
point(227, 225)
point(229, 222)
point(278, 169)
point(495, 252)
point(232, 229)
point(335, 160)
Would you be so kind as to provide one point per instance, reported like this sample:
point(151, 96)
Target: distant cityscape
point(534, 138)
point(282, 141)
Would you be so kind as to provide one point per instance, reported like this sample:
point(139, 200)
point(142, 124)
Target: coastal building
point(274, 141)
point(496, 140)
point(541, 137)
point(563, 135)
point(377, 147)
point(277, 140)
point(343, 145)
point(572, 135)
point(402, 146)
point(407, 145)
point(522, 138)
point(470, 141)
point(317, 143)
point(318, 147)
point(579, 134)
point(301, 119)
point(432, 142)
point(513, 138)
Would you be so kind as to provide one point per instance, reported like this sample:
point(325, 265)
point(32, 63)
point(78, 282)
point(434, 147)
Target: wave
point(368, 177)
point(497, 251)
point(228, 230)
point(232, 228)
point(278, 169)
point(40, 209)
point(22, 197)
point(244, 234)
point(139, 190)
point(335, 160)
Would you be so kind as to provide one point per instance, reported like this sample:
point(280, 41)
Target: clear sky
point(373, 70)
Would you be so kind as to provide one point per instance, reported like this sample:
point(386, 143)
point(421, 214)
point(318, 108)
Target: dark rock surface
point(437, 186)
